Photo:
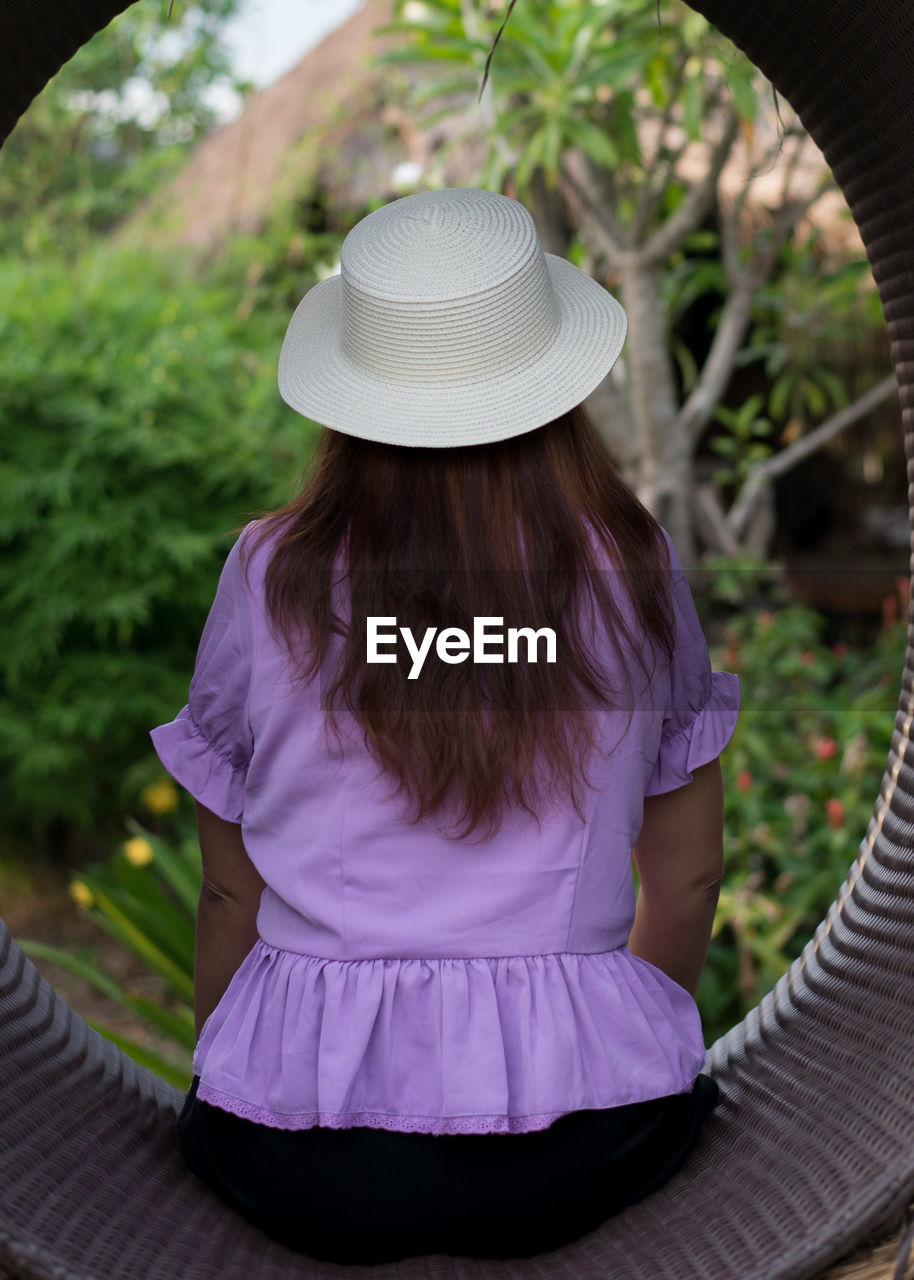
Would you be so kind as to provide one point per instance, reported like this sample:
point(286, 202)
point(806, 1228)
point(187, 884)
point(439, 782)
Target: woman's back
point(429, 888)
point(417, 981)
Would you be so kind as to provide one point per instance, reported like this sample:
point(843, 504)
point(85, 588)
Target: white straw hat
point(448, 325)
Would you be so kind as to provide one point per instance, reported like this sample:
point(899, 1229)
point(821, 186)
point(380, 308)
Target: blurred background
point(166, 202)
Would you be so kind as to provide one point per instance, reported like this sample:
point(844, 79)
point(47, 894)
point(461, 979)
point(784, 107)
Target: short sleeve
point(703, 705)
point(208, 746)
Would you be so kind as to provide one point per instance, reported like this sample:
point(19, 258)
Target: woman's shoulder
point(254, 547)
point(243, 569)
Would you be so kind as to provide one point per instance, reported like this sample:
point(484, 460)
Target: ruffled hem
point(701, 740)
point(209, 776)
point(503, 1044)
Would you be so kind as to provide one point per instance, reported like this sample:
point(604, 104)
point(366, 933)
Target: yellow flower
point(161, 796)
point(81, 893)
point(138, 851)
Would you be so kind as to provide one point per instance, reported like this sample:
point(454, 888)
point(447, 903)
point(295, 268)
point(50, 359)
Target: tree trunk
point(665, 471)
point(609, 410)
point(548, 210)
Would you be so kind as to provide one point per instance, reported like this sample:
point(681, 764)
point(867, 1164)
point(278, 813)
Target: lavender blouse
point(402, 980)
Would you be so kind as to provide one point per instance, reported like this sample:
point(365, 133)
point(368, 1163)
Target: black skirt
point(371, 1196)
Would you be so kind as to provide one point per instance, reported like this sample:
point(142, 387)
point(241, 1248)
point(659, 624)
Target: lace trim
point(375, 1119)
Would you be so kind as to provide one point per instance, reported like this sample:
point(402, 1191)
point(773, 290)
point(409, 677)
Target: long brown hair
point(436, 537)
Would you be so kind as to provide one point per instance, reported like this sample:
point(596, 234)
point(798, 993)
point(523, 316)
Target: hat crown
point(448, 325)
point(445, 286)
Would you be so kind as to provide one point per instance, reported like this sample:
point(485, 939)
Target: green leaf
point(84, 969)
point(552, 150)
point(687, 364)
point(181, 871)
point(779, 396)
point(595, 142)
point(833, 385)
point(179, 1025)
point(693, 107)
point(531, 159)
point(814, 396)
point(125, 929)
point(135, 893)
point(656, 79)
point(741, 80)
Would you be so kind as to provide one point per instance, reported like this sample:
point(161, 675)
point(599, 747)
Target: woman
point(431, 1017)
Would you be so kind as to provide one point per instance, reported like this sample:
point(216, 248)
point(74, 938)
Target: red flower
point(835, 810)
point(808, 658)
point(731, 653)
point(765, 619)
point(825, 748)
point(744, 781)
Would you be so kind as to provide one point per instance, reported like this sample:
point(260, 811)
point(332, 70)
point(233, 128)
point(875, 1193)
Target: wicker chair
point(813, 1146)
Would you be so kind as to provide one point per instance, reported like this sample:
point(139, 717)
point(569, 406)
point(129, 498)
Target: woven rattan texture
point(812, 1148)
point(36, 39)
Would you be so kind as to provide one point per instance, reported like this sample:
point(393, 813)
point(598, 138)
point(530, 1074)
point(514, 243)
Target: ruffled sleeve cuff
point(200, 768)
point(701, 740)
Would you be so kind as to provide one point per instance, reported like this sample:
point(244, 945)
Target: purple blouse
point(402, 980)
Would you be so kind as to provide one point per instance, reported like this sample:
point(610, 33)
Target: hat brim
point(318, 380)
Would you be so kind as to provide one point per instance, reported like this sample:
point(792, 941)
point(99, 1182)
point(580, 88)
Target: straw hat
point(448, 325)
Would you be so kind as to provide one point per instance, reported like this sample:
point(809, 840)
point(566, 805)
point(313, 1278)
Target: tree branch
point(584, 181)
point(699, 200)
point(790, 167)
point(696, 412)
point(549, 214)
point(763, 473)
point(733, 222)
point(711, 521)
point(610, 412)
point(661, 169)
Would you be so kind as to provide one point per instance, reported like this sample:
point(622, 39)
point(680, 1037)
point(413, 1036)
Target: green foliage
point(112, 124)
point(622, 89)
point(568, 74)
point(800, 776)
point(799, 319)
point(145, 896)
point(140, 426)
point(739, 581)
point(745, 442)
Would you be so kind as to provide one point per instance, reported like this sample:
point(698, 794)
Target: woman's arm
point(226, 912)
point(679, 855)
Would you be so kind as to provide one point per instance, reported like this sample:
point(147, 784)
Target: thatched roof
point(334, 122)
point(332, 119)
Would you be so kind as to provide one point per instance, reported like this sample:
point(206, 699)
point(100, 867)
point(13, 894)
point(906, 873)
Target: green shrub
point(801, 774)
point(140, 425)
